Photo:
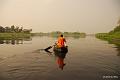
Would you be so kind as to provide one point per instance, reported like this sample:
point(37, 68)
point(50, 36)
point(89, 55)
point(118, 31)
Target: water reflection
point(60, 59)
point(118, 49)
point(14, 41)
point(90, 56)
point(117, 43)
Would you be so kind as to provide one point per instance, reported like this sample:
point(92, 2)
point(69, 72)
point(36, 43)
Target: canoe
point(60, 50)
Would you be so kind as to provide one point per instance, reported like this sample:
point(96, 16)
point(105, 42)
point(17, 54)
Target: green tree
point(7, 29)
point(2, 29)
point(117, 29)
point(12, 28)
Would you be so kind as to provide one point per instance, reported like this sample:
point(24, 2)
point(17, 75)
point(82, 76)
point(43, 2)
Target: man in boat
point(61, 42)
point(60, 56)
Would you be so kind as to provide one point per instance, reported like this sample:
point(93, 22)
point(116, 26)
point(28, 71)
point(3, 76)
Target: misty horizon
point(89, 16)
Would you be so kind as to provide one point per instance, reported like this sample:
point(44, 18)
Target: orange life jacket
point(61, 42)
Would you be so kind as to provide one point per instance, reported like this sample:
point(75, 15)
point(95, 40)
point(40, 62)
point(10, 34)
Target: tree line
point(14, 29)
point(57, 33)
point(115, 30)
point(113, 35)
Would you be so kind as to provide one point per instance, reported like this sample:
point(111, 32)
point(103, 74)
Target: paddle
point(46, 49)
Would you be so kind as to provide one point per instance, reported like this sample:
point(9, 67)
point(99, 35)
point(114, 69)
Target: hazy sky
point(88, 16)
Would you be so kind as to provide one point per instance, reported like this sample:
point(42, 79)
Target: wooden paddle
point(46, 49)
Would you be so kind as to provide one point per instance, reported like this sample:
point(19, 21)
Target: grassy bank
point(112, 35)
point(111, 38)
point(14, 35)
point(108, 36)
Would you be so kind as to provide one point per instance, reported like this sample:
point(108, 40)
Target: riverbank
point(111, 38)
point(108, 36)
point(14, 35)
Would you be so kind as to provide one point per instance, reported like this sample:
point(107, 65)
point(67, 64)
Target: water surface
point(87, 59)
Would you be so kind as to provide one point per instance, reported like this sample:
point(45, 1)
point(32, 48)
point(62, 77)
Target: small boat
point(60, 50)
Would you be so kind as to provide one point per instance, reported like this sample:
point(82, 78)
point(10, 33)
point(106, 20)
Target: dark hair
point(61, 35)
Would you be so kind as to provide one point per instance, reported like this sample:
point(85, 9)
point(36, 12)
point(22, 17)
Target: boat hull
point(60, 50)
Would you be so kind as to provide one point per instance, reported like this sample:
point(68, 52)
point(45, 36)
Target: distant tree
point(12, 28)
point(77, 33)
point(2, 29)
point(27, 30)
point(117, 29)
point(16, 29)
point(66, 32)
point(21, 29)
point(56, 32)
point(7, 29)
point(118, 22)
point(111, 32)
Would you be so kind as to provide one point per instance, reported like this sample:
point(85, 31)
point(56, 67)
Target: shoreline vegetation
point(112, 36)
point(57, 33)
point(15, 32)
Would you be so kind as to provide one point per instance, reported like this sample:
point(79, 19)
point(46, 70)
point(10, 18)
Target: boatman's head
point(61, 35)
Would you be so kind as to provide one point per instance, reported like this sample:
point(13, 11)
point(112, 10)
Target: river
point(87, 59)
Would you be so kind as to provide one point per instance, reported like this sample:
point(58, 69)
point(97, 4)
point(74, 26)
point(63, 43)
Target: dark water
point(87, 59)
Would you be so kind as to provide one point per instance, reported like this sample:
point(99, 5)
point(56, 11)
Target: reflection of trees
point(14, 41)
point(118, 49)
point(117, 43)
point(7, 41)
point(76, 37)
point(1, 42)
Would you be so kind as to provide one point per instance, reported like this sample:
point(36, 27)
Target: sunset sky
point(90, 16)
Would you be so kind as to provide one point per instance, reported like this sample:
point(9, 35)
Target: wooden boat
point(60, 50)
